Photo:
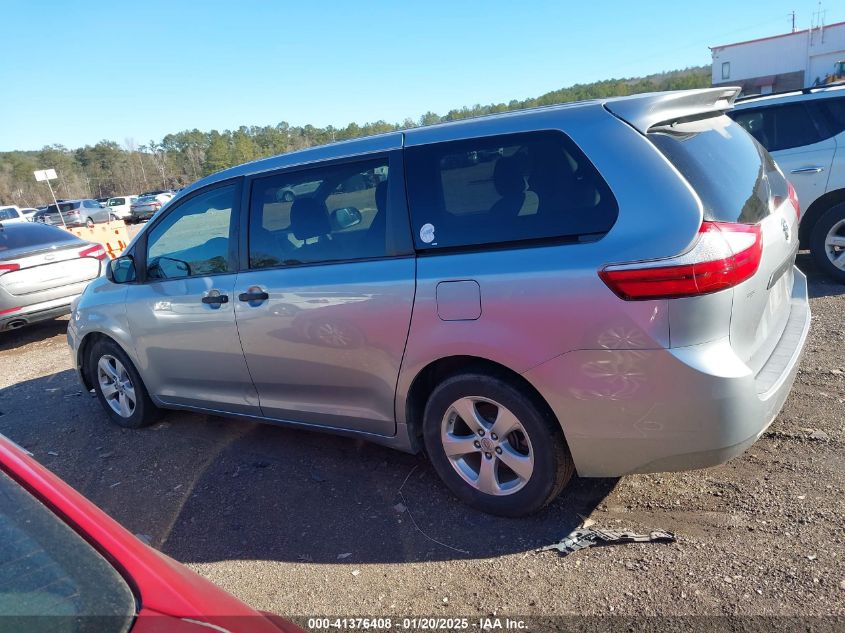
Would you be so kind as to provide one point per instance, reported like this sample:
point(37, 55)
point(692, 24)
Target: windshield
point(47, 569)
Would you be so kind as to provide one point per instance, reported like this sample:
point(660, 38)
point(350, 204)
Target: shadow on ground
point(205, 488)
point(14, 339)
point(818, 283)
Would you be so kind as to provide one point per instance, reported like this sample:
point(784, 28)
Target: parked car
point(102, 201)
point(805, 133)
point(610, 291)
point(119, 206)
point(84, 212)
point(42, 269)
point(146, 206)
point(67, 561)
point(29, 213)
point(11, 213)
point(38, 216)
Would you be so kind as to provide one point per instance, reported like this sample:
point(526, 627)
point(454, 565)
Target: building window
point(726, 70)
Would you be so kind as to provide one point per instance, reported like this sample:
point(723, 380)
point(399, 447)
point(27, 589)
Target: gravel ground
point(301, 524)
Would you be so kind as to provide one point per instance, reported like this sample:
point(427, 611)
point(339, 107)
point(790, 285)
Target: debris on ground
point(583, 538)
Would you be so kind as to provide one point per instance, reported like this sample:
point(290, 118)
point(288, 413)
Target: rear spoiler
point(646, 111)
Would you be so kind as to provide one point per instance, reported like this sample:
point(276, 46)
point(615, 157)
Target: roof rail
point(803, 91)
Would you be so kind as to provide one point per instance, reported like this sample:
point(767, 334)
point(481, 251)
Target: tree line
point(109, 168)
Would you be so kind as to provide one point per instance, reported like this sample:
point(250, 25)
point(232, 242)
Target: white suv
point(11, 214)
point(119, 206)
point(805, 133)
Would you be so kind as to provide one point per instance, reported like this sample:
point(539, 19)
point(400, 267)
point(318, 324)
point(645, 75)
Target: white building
point(780, 62)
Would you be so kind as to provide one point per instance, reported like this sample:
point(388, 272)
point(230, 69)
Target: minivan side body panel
point(542, 301)
point(326, 346)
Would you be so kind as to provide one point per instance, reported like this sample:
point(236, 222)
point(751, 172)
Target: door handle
point(216, 299)
point(253, 296)
point(807, 170)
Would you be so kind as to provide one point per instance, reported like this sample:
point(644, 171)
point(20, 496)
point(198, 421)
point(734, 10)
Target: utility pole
point(793, 21)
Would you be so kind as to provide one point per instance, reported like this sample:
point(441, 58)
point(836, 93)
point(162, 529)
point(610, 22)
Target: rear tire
point(89, 223)
point(827, 242)
point(119, 387)
point(463, 414)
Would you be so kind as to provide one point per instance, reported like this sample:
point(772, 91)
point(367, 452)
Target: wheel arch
point(439, 370)
point(815, 211)
point(84, 351)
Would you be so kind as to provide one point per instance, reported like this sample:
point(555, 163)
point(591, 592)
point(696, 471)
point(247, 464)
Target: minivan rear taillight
point(793, 198)
point(724, 255)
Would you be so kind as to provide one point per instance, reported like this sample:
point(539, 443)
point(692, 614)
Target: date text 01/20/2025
point(416, 624)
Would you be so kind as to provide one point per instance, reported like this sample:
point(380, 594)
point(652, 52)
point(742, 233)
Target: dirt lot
point(301, 523)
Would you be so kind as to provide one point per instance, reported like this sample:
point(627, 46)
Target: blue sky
point(78, 72)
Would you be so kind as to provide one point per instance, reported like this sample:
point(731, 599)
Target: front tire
point(119, 387)
point(827, 242)
point(495, 447)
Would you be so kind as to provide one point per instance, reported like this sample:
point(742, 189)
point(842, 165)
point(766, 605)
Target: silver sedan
point(42, 269)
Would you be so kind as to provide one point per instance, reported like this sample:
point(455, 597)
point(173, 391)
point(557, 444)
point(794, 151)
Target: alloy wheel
point(116, 386)
point(487, 446)
point(834, 244)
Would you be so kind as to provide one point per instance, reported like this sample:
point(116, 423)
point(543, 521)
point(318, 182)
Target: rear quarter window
point(835, 111)
point(781, 127)
point(505, 189)
point(733, 175)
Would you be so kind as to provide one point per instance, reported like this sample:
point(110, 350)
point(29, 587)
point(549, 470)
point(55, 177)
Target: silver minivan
point(605, 287)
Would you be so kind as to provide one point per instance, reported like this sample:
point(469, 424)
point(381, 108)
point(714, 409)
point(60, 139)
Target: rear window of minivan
point(733, 175)
point(503, 189)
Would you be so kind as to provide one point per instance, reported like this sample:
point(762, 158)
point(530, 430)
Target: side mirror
point(121, 270)
point(168, 268)
point(346, 217)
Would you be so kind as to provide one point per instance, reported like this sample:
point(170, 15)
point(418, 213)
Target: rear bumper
point(35, 313)
point(142, 214)
point(637, 411)
point(67, 222)
point(39, 306)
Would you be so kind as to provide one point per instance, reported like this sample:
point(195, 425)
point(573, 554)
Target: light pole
point(46, 175)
